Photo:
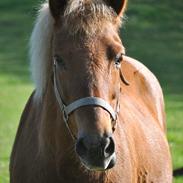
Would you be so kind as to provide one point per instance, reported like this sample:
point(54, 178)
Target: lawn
point(152, 33)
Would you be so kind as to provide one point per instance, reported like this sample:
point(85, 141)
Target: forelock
point(88, 16)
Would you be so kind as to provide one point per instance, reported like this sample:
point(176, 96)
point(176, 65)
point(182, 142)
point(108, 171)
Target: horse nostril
point(102, 148)
point(81, 149)
point(109, 147)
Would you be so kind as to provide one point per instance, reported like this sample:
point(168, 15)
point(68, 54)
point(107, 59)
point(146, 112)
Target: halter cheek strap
point(87, 101)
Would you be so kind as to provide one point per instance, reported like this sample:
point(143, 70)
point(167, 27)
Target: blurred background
point(152, 33)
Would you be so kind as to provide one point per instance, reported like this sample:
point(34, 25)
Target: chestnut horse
point(95, 115)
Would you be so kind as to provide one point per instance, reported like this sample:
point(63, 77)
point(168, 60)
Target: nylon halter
point(86, 101)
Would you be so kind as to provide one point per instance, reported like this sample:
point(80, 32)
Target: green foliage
point(152, 34)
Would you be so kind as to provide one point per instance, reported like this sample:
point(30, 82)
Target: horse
point(96, 115)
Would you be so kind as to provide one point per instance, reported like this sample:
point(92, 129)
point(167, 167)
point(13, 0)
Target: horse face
point(87, 69)
point(88, 65)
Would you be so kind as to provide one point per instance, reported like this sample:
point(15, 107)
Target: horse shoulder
point(23, 120)
point(145, 87)
point(25, 144)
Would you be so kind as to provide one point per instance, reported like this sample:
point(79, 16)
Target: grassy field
point(153, 34)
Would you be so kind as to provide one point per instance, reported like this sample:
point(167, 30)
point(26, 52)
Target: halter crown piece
point(87, 101)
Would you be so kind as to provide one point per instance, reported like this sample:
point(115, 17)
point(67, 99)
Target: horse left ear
point(118, 6)
point(57, 7)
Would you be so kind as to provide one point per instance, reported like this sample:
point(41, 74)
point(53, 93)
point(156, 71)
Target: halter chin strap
point(87, 101)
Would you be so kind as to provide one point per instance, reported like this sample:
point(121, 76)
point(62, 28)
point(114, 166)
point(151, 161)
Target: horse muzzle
point(98, 155)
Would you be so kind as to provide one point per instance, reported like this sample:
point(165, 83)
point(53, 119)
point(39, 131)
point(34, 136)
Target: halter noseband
point(87, 101)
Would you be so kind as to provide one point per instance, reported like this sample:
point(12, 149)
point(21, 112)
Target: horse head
point(87, 53)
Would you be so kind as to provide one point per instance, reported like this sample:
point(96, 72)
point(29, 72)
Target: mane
point(40, 49)
point(84, 16)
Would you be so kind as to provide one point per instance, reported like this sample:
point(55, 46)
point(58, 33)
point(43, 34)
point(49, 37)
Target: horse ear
point(57, 7)
point(118, 6)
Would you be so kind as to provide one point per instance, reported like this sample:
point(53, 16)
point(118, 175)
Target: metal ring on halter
point(65, 116)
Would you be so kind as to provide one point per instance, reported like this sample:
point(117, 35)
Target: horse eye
point(118, 60)
point(60, 62)
point(58, 59)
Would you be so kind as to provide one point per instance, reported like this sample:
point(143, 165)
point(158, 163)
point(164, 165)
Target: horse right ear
point(118, 6)
point(57, 7)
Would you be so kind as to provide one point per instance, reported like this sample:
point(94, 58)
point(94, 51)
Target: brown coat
point(142, 149)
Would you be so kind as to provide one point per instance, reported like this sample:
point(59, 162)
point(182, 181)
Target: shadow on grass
point(16, 22)
point(178, 172)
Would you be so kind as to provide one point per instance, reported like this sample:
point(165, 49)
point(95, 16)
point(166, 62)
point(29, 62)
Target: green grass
point(15, 86)
point(152, 34)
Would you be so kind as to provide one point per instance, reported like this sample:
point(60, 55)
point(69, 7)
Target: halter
point(86, 101)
